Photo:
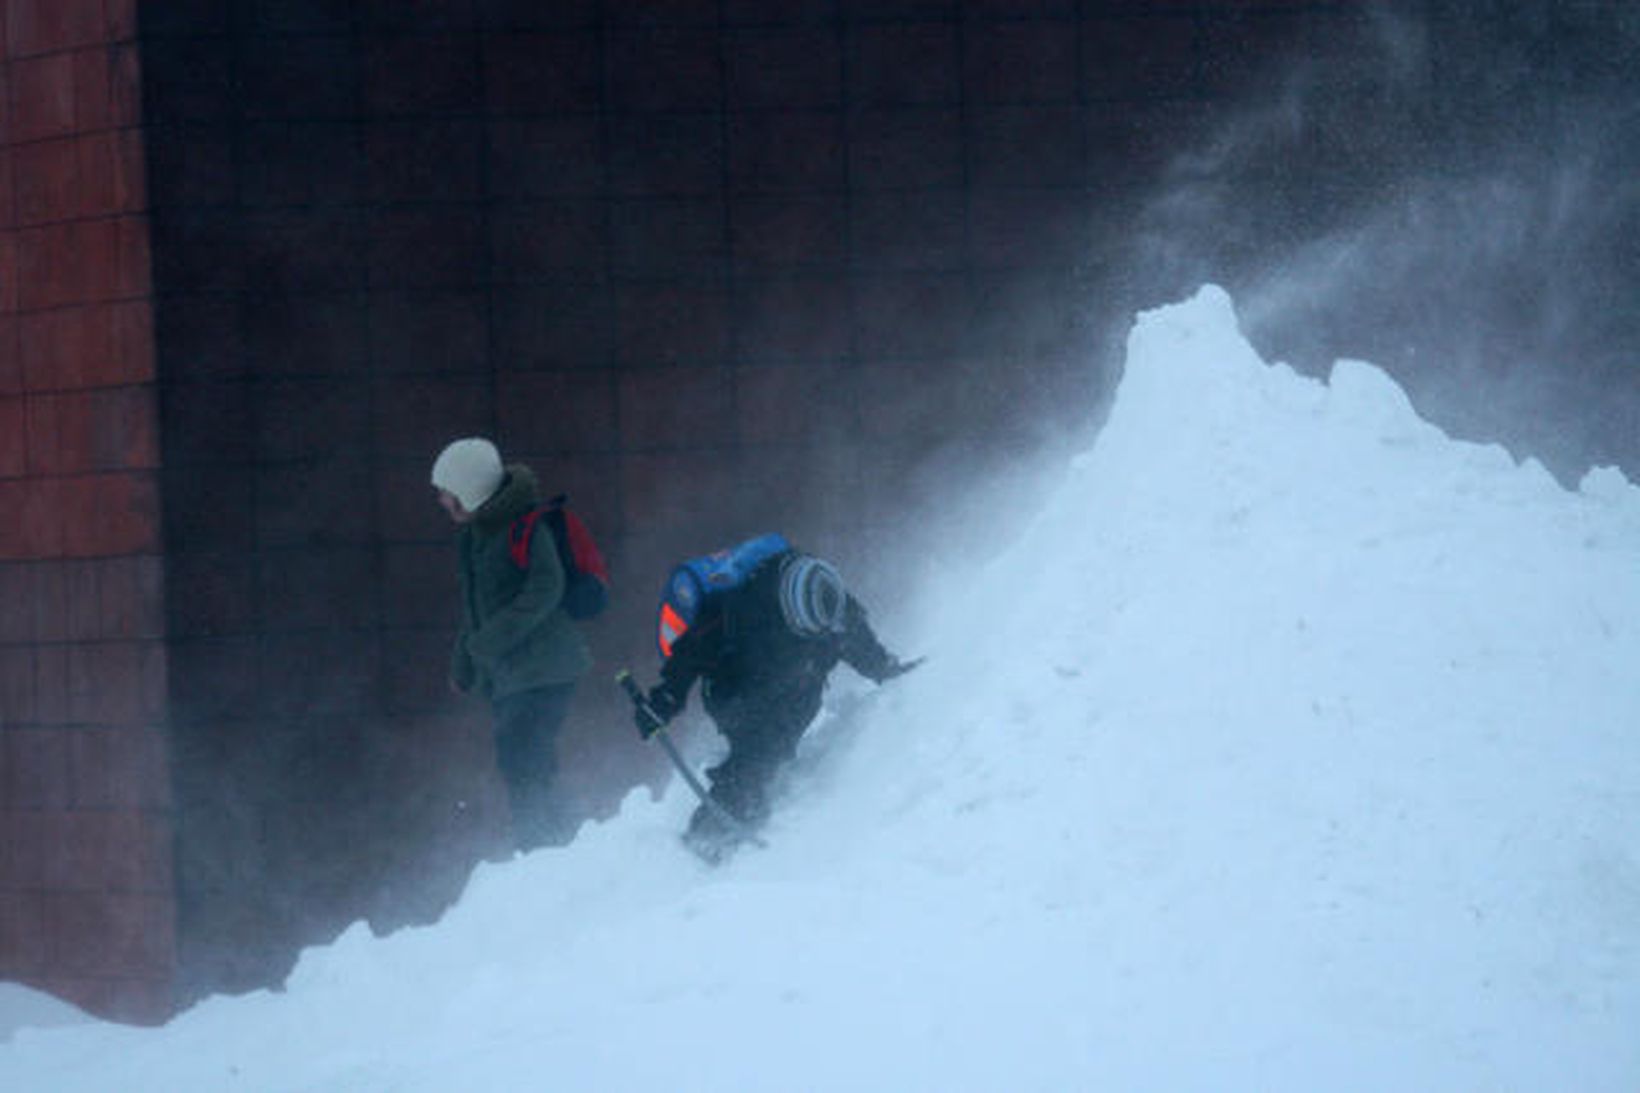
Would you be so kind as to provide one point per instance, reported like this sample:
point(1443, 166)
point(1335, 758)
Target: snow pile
point(1294, 745)
point(21, 1007)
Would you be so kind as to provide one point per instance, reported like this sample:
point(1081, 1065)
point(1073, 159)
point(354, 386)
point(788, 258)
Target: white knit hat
point(470, 469)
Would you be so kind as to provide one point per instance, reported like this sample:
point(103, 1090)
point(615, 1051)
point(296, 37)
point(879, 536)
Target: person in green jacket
point(516, 647)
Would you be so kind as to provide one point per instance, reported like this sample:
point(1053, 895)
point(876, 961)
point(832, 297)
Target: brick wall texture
point(712, 266)
point(87, 891)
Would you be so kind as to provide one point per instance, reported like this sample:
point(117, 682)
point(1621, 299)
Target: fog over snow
point(1291, 746)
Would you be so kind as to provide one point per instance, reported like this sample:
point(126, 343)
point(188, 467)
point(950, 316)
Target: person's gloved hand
point(898, 667)
point(664, 702)
point(659, 707)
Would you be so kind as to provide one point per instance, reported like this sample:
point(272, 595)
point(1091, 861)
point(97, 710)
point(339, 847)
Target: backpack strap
point(523, 530)
point(586, 575)
point(575, 541)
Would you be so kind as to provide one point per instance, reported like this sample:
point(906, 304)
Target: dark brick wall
point(86, 892)
point(713, 266)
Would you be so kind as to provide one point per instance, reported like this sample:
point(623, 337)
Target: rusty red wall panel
point(39, 28)
point(87, 898)
point(42, 97)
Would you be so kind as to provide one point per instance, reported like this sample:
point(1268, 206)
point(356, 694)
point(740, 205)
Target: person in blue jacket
point(763, 652)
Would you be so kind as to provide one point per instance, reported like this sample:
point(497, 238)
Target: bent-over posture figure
point(763, 651)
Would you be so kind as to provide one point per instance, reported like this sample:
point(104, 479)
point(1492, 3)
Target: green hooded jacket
point(514, 633)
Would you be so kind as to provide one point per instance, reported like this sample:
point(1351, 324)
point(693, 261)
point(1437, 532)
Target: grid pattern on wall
point(710, 267)
point(713, 266)
point(86, 894)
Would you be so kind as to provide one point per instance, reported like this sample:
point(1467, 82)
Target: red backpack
point(586, 577)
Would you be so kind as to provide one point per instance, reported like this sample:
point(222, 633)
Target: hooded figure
point(763, 651)
point(516, 647)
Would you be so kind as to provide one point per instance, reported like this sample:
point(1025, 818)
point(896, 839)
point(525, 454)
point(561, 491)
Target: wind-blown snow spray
point(1290, 745)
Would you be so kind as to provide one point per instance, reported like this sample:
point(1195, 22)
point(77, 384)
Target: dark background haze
point(1452, 191)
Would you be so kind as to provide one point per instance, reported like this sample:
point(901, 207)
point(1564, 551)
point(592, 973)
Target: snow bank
point(1292, 746)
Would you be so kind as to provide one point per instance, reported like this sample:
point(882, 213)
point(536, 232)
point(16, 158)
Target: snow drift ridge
point(1287, 721)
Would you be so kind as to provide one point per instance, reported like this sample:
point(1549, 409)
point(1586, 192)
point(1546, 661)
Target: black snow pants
point(763, 731)
point(526, 750)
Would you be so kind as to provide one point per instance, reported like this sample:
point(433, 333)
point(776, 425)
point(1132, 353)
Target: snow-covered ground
point(1292, 746)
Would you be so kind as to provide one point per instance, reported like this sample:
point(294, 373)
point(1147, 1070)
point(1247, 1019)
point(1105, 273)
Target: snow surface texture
point(1293, 746)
